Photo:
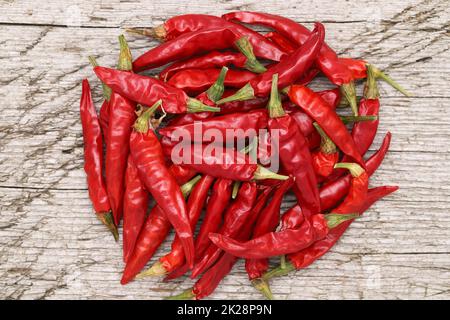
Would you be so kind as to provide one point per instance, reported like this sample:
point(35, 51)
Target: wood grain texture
point(52, 246)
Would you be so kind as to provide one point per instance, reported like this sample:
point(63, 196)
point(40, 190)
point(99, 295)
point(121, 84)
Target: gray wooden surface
point(51, 245)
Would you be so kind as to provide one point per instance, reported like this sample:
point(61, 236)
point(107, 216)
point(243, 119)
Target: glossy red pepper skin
point(149, 159)
point(185, 46)
point(268, 221)
point(358, 68)
point(292, 67)
point(194, 81)
point(135, 205)
point(318, 109)
point(214, 59)
point(179, 25)
point(284, 44)
point(244, 122)
point(93, 152)
point(176, 258)
point(144, 90)
point(235, 218)
point(104, 119)
point(307, 256)
point(153, 233)
point(327, 60)
point(324, 163)
point(292, 218)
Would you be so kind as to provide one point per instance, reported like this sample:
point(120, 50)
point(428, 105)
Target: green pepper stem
point(286, 90)
point(142, 123)
point(236, 187)
point(262, 173)
point(188, 186)
point(158, 32)
point(327, 145)
point(274, 106)
point(279, 271)
point(379, 74)
point(350, 119)
point(349, 92)
point(355, 169)
point(252, 64)
point(283, 262)
point(243, 94)
point(156, 270)
point(186, 295)
point(194, 105)
point(215, 92)
point(125, 58)
point(106, 90)
point(263, 286)
point(334, 220)
point(371, 87)
point(108, 220)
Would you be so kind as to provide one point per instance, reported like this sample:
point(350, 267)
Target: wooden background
point(52, 246)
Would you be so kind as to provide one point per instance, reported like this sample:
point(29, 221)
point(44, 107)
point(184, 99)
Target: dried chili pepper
point(198, 42)
point(306, 257)
point(235, 217)
point(153, 233)
point(289, 69)
point(149, 159)
point(328, 120)
point(93, 159)
point(121, 118)
point(284, 44)
point(182, 24)
point(326, 158)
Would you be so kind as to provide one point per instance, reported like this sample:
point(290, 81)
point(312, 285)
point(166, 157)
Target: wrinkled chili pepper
point(182, 24)
point(329, 121)
point(306, 257)
point(294, 153)
point(217, 203)
point(154, 231)
point(235, 217)
point(135, 205)
point(175, 258)
point(198, 42)
point(148, 91)
point(149, 159)
point(289, 69)
point(268, 221)
point(93, 159)
point(284, 44)
point(121, 118)
point(326, 158)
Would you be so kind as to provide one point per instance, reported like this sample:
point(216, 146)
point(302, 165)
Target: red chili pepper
point(284, 44)
point(217, 203)
point(326, 158)
point(154, 231)
point(135, 206)
point(182, 24)
point(148, 91)
point(93, 159)
point(121, 118)
point(235, 218)
point(289, 69)
point(328, 120)
point(194, 81)
point(149, 159)
point(294, 153)
point(214, 59)
point(181, 174)
point(268, 221)
point(306, 257)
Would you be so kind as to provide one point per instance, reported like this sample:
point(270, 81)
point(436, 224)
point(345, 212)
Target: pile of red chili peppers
point(219, 74)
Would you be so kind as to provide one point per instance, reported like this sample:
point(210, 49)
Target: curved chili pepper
point(327, 60)
point(217, 204)
point(294, 153)
point(135, 206)
point(148, 91)
point(194, 81)
point(236, 216)
point(328, 120)
point(153, 233)
point(326, 158)
point(121, 118)
point(284, 44)
point(289, 69)
point(182, 24)
point(306, 257)
point(214, 59)
point(267, 222)
point(93, 159)
point(181, 174)
point(149, 159)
